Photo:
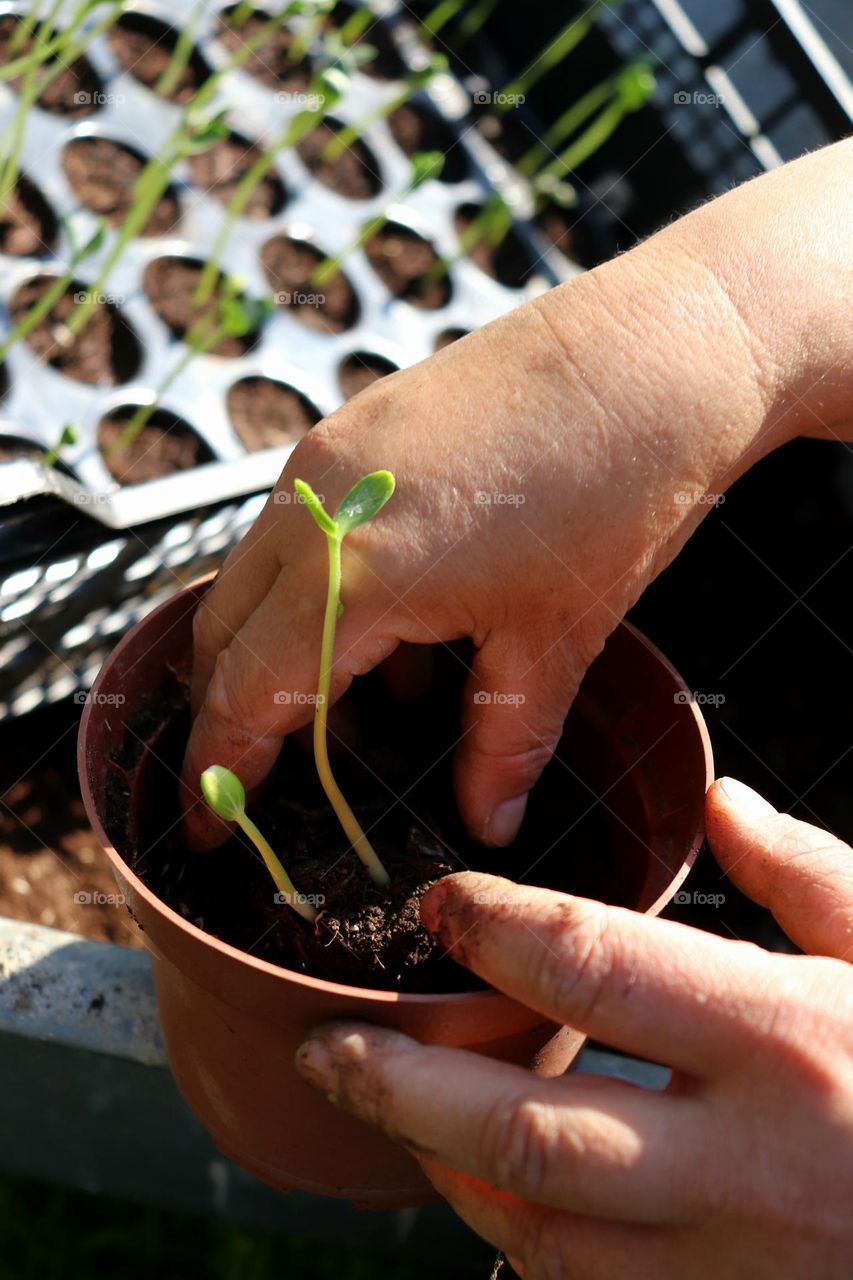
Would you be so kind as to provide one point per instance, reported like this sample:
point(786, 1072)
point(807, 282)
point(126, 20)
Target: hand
point(548, 467)
point(743, 1167)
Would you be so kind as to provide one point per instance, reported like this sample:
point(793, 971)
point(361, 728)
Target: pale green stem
point(329, 267)
point(37, 312)
point(356, 24)
point(242, 13)
point(475, 19)
point(437, 18)
point(570, 120)
point(553, 54)
point(350, 133)
point(181, 54)
point(283, 881)
point(301, 42)
point(155, 177)
point(587, 144)
point(346, 817)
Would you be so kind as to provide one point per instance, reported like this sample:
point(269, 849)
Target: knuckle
point(519, 1135)
point(231, 696)
point(580, 959)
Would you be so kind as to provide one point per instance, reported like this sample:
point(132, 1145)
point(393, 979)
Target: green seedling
point(490, 225)
point(234, 316)
point(413, 83)
point(315, 13)
point(550, 57)
point(328, 87)
point(364, 501)
point(68, 435)
point(226, 795)
point(447, 11)
point(59, 51)
point(423, 166)
point(357, 23)
point(632, 89)
point(170, 77)
point(194, 132)
point(51, 295)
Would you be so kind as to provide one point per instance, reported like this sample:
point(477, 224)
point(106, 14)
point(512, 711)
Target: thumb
point(514, 707)
point(801, 873)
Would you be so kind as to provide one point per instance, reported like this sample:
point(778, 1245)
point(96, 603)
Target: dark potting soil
point(77, 89)
point(289, 264)
point(165, 444)
point(219, 169)
point(386, 63)
point(169, 283)
point(447, 337)
point(28, 225)
point(360, 370)
point(354, 174)
point(557, 224)
point(107, 351)
point(416, 128)
point(509, 262)
point(271, 62)
point(509, 136)
point(393, 760)
point(102, 174)
point(52, 869)
point(266, 414)
point(144, 46)
point(402, 259)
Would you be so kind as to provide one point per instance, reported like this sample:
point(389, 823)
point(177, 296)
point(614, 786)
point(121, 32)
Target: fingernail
point(502, 826)
point(432, 905)
point(316, 1063)
point(747, 803)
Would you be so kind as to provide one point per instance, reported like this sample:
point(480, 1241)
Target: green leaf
point(224, 792)
point(205, 133)
point(93, 244)
point(69, 435)
point(365, 499)
point(315, 506)
point(425, 165)
point(437, 64)
point(636, 86)
point(330, 84)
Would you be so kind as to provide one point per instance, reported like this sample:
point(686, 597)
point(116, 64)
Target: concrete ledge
point(87, 1100)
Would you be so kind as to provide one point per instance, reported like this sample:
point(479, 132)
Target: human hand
point(743, 1167)
point(548, 467)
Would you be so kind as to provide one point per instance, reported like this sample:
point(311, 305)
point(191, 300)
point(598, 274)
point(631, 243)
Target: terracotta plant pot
point(232, 1022)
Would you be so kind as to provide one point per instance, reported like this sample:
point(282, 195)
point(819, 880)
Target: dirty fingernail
point(748, 804)
point(317, 1066)
point(502, 826)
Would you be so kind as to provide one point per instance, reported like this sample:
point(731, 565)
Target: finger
point(514, 708)
point(548, 1243)
point(263, 688)
point(242, 583)
point(801, 873)
point(651, 987)
point(587, 1145)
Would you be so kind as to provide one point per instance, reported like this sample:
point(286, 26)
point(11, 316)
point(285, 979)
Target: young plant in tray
point(414, 82)
point(222, 789)
point(424, 165)
point(233, 316)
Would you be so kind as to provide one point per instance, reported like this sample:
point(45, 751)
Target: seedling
point(365, 500)
point(168, 81)
point(413, 83)
point(491, 225)
point(193, 133)
point(226, 795)
point(328, 87)
point(448, 10)
point(423, 166)
point(51, 295)
point(234, 316)
point(551, 56)
point(68, 435)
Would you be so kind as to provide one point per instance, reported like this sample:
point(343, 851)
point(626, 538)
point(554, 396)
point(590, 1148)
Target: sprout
point(365, 500)
point(226, 795)
point(68, 435)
